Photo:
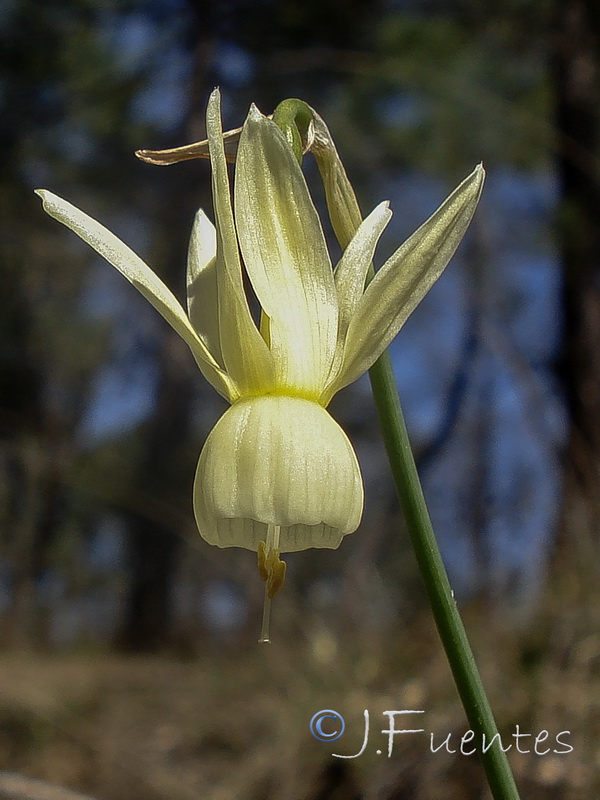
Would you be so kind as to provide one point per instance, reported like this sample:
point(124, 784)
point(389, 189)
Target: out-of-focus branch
point(17, 787)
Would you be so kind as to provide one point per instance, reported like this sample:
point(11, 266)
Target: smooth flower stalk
point(277, 474)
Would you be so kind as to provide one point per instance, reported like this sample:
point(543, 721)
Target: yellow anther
point(276, 576)
point(270, 568)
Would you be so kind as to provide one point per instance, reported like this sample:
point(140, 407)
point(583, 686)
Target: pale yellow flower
point(277, 473)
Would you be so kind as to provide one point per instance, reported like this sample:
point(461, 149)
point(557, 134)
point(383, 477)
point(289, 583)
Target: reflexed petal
point(400, 285)
point(139, 274)
point(285, 255)
point(277, 460)
point(245, 353)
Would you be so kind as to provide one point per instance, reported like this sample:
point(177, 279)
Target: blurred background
point(129, 666)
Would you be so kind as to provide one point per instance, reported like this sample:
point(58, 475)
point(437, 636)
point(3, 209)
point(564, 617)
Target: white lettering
point(467, 736)
point(365, 740)
point(445, 743)
point(391, 731)
point(541, 737)
point(517, 735)
point(485, 746)
point(569, 748)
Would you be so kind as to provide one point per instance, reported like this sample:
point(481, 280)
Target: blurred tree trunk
point(35, 439)
point(153, 543)
point(576, 79)
point(21, 471)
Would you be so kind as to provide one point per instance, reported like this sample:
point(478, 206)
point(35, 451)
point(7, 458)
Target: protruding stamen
point(271, 570)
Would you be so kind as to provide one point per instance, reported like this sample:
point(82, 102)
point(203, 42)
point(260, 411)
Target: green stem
point(449, 623)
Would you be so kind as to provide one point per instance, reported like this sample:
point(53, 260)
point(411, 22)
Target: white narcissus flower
point(277, 473)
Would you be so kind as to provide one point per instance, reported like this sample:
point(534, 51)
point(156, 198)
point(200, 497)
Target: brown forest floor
point(234, 724)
